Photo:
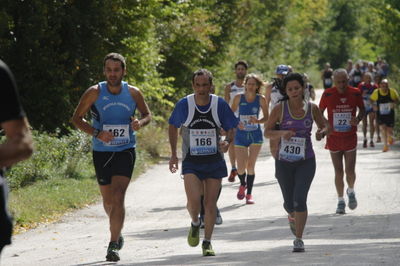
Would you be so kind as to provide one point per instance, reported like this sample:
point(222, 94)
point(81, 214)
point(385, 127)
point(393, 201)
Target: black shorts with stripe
point(109, 164)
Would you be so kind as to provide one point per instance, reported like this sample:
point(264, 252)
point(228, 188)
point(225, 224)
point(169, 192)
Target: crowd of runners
point(251, 110)
point(284, 106)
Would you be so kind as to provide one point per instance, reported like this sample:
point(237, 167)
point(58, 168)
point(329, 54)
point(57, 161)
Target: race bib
point(120, 133)
point(245, 119)
point(293, 149)
point(357, 79)
point(328, 82)
point(384, 108)
point(341, 122)
point(203, 142)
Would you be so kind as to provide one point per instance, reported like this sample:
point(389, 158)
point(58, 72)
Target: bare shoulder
point(91, 93)
point(135, 91)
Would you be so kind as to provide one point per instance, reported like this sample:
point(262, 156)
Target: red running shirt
point(341, 107)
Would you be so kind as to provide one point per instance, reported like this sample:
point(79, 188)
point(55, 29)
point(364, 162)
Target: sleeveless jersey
point(112, 112)
point(235, 90)
point(298, 147)
point(247, 110)
point(200, 133)
point(384, 104)
point(276, 96)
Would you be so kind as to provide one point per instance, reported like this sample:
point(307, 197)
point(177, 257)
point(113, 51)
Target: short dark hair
point(115, 57)
point(202, 72)
point(243, 63)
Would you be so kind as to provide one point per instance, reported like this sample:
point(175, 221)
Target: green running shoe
point(112, 252)
point(194, 235)
point(207, 249)
point(121, 242)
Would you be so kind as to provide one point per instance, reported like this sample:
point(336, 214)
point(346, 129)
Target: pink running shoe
point(249, 199)
point(240, 194)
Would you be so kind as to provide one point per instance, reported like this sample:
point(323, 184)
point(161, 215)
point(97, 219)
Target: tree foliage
point(56, 48)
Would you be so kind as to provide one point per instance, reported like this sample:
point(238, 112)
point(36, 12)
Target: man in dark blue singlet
point(201, 116)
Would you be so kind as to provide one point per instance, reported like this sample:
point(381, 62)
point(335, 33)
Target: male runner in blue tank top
point(112, 104)
point(201, 116)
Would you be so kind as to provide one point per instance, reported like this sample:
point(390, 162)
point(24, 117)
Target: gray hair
point(340, 71)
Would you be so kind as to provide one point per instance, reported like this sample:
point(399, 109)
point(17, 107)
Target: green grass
point(60, 178)
point(46, 201)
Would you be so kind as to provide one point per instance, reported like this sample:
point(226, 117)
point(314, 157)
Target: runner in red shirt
point(342, 102)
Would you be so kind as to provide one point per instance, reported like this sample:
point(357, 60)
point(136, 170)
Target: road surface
point(157, 222)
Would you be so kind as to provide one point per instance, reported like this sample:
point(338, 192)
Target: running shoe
point(365, 143)
point(201, 219)
point(378, 139)
point(371, 144)
point(340, 207)
point(352, 200)
point(240, 194)
point(194, 235)
point(231, 177)
point(292, 224)
point(385, 148)
point(249, 199)
point(120, 242)
point(298, 245)
point(112, 252)
point(218, 218)
point(390, 140)
point(207, 249)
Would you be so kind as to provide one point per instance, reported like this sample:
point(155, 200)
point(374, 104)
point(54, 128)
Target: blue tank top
point(298, 147)
point(112, 112)
point(247, 110)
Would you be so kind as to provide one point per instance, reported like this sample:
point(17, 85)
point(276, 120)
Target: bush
point(54, 156)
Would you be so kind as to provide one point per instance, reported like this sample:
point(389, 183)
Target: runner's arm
point(142, 107)
point(264, 109)
point(18, 145)
point(275, 117)
point(227, 93)
point(173, 141)
point(323, 125)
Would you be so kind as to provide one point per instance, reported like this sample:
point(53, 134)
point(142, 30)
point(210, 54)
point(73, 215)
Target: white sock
point(196, 223)
point(340, 199)
point(350, 190)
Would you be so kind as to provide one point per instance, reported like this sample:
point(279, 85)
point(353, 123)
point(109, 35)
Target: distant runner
point(249, 138)
point(342, 102)
point(384, 100)
point(231, 90)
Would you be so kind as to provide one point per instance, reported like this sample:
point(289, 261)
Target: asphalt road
point(157, 222)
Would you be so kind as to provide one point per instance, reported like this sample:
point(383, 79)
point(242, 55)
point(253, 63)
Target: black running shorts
point(109, 164)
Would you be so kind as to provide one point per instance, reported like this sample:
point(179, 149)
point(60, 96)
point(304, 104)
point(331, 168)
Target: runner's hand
point(241, 125)
point(224, 146)
point(135, 123)
point(105, 136)
point(287, 134)
point(253, 120)
point(354, 121)
point(173, 164)
point(320, 134)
